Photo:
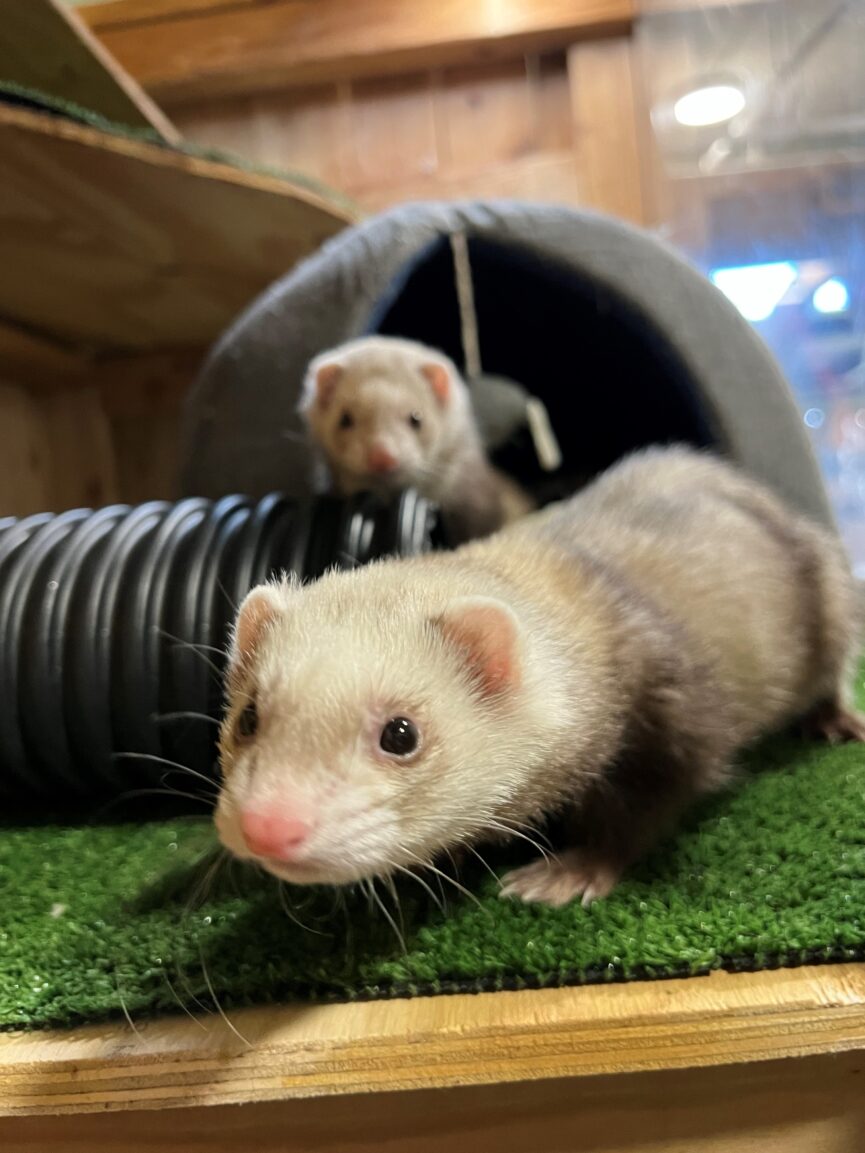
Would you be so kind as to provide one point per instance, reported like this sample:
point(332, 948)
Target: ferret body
point(601, 661)
point(387, 414)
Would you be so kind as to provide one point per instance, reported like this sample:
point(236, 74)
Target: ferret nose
point(381, 460)
point(274, 835)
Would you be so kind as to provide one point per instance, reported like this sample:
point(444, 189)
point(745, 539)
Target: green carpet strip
point(104, 920)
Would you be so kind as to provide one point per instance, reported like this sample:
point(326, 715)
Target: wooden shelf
point(116, 245)
point(271, 1054)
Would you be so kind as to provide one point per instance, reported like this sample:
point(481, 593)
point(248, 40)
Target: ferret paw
point(835, 724)
point(561, 879)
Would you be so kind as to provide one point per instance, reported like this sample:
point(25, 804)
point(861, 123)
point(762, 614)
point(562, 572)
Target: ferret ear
point(485, 632)
point(321, 383)
point(260, 607)
point(439, 380)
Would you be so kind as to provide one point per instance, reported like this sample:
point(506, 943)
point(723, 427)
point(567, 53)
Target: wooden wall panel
point(498, 129)
point(25, 454)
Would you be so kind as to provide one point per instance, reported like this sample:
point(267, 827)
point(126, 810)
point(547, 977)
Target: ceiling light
point(832, 297)
point(711, 105)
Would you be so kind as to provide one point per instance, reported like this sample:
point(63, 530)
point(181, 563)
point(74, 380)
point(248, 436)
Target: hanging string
point(543, 437)
point(466, 299)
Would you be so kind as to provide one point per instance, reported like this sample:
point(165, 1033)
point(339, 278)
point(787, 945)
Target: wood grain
point(810, 1105)
point(320, 1050)
point(25, 454)
point(46, 365)
point(499, 129)
point(605, 112)
point(45, 45)
point(122, 245)
point(219, 50)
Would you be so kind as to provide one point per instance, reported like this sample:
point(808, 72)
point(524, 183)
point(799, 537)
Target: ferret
point(387, 414)
point(600, 662)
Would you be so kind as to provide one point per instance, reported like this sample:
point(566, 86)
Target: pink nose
point(380, 460)
point(274, 835)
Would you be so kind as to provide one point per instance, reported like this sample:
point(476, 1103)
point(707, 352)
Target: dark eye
point(247, 722)
point(346, 420)
point(415, 420)
point(399, 737)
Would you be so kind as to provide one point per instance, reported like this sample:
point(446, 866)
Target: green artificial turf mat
point(107, 919)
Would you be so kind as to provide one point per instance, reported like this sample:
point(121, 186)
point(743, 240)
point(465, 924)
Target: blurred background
point(734, 129)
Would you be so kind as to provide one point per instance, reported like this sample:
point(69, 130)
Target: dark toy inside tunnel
point(611, 381)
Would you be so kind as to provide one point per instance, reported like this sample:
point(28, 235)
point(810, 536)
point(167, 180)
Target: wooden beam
point(810, 1105)
point(46, 46)
point(605, 114)
point(116, 244)
point(212, 50)
point(274, 1053)
point(41, 364)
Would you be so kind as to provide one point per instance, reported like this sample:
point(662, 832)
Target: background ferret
point(601, 661)
point(388, 414)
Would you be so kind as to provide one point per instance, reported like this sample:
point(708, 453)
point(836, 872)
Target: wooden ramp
point(118, 244)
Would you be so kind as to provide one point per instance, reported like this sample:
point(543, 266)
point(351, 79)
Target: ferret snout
point(381, 460)
point(278, 836)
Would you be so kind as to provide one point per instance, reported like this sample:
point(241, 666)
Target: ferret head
point(384, 412)
point(366, 731)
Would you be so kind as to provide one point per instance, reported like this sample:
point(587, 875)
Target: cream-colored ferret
point(388, 414)
point(600, 662)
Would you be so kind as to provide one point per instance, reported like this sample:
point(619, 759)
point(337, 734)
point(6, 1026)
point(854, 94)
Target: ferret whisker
point(124, 1009)
point(391, 888)
point(187, 714)
point(545, 853)
point(415, 877)
point(200, 651)
point(216, 1002)
point(512, 822)
point(182, 1005)
point(235, 607)
point(175, 765)
point(377, 899)
point(456, 884)
point(485, 864)
point(283, 900)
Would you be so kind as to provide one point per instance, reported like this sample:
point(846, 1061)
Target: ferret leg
point(835, 722)
point(617, 822)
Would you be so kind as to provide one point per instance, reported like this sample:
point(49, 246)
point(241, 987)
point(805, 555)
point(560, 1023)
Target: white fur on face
point(345, 655)
point(379, 390)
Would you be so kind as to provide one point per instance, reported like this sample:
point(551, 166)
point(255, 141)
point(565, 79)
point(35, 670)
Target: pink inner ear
point(439, 379)
point(326, 380)
point(486, 633)
point(257, 610)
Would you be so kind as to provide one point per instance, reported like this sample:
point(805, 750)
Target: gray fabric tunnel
point(622, 339)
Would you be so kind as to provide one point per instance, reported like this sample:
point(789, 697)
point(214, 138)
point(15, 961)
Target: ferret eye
point(399, 737)
point(415, 420)
point(346, 420)
point(247, 722)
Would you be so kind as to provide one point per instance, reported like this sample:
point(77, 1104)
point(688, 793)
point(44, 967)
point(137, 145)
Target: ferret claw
point(559, 880)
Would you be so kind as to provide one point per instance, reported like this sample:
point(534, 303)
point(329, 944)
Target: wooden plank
point(25, 454)
point(308, 1050)
point(26, 358)
point(605, 115)
point(44, 45)
point(128, 245)
point(810, 1105)
point(82, 453)
point(220, 50)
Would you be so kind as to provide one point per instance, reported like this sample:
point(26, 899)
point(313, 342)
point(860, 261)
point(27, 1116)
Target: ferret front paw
point(561, 879)
point(835, 724)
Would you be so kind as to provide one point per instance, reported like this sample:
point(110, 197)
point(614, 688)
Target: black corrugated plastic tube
point(114, 625)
